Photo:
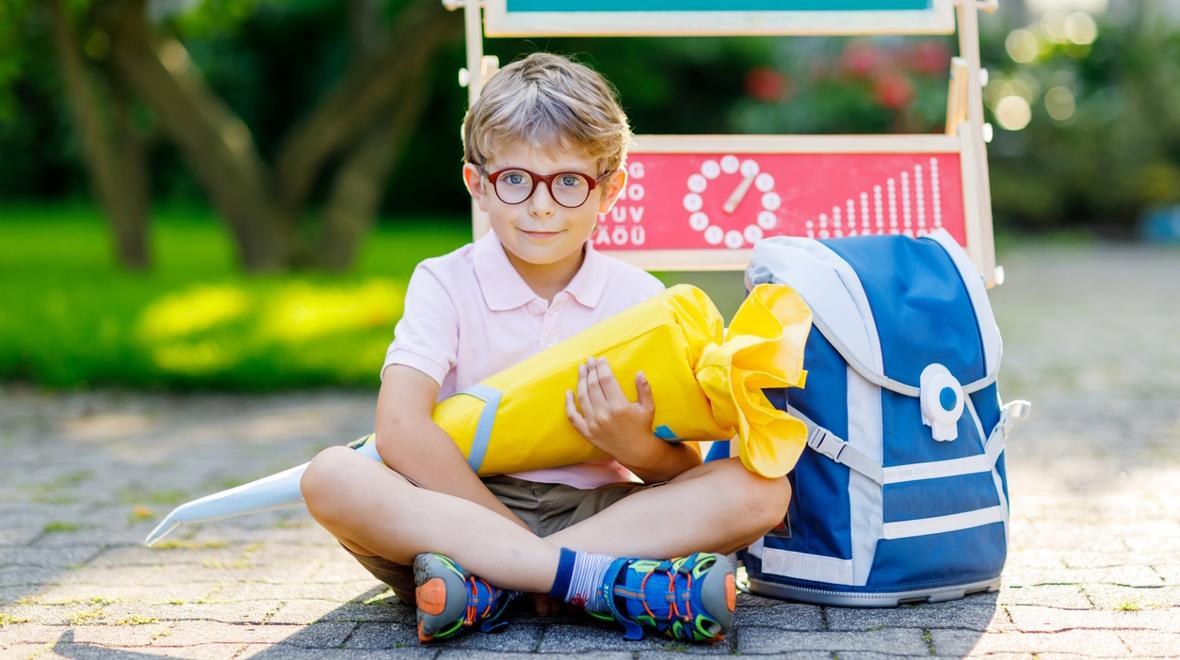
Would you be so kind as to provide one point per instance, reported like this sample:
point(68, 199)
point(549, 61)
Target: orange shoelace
point(472, 613)
point(674, 612)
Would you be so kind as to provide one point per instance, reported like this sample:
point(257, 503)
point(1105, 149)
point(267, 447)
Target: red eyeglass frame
point(537, 179)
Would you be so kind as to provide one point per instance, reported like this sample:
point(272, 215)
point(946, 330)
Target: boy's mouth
point(538, 235)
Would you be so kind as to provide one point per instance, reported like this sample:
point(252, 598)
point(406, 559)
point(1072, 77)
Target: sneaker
point(451, 600)
point(687, 598)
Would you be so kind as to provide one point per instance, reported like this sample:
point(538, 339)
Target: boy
point(544, 147)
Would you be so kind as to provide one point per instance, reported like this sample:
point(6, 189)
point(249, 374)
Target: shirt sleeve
point(653, 286)
point(426, 337)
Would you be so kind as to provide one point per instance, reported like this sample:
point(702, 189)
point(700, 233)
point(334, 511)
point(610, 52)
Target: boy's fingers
point(594, 387)
point(583, 392)
point(571, 411)
point(643, 390)
point(610, 386)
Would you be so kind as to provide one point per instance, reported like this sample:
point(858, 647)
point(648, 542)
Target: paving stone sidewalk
point(1092, 336)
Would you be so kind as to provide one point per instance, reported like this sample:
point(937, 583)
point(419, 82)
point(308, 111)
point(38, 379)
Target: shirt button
point(536, 307)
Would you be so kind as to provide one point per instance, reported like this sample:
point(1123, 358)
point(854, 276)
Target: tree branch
point(112, 152)
point(368, 90)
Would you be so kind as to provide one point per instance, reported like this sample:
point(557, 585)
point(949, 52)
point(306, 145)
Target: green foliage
point(11, 15)
point(72, 319)
point(1115, 154)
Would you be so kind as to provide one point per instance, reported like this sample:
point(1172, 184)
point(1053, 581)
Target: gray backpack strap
point(831, 445)
point(1010, 413)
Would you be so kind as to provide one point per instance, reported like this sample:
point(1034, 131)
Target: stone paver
point(1093, 570)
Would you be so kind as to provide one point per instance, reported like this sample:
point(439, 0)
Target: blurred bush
point(1092, 112)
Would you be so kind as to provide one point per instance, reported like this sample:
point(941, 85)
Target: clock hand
point(731, 204)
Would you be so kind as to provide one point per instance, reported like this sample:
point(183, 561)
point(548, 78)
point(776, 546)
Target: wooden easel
point(966, 135)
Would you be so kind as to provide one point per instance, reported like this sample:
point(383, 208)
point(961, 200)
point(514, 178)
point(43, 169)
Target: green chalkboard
point(717, 17)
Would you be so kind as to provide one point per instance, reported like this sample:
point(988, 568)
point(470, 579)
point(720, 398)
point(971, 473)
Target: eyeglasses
point(514, 185)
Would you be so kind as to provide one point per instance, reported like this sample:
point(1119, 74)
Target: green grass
point(56, 526)
point(71, 318)
point(8, 619)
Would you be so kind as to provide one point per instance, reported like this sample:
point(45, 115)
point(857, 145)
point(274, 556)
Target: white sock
point(589, 570)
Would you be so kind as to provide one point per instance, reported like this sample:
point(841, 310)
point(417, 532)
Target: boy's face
point(540, 231)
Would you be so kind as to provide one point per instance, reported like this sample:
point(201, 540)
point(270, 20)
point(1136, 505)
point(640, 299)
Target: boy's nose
point(541, 204)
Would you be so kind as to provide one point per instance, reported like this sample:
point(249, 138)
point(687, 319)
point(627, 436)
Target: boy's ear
point(476, 185)
point(613, 186)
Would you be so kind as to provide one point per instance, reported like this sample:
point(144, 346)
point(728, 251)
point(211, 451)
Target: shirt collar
point(503, 288)
point(590, 280)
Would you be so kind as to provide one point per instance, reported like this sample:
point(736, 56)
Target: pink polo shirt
point(468, 315)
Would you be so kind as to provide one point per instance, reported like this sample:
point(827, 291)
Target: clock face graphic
point(731, 202)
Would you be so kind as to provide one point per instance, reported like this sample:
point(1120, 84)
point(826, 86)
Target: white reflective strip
point(993, 346)
point(1003, 503)
point(937, 525)
point(816, 568)
point(995, 445)
point(992, 446)
point(938, 469)
point(864, 494)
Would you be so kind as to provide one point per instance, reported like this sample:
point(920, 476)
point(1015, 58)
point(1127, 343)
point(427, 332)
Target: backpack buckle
point(824, 442)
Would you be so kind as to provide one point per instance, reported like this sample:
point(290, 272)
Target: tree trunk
point(217, 145)
point(356, 191)
point(131, 232)
point(115, 161)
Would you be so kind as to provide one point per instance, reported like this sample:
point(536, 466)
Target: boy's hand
point(608, 420)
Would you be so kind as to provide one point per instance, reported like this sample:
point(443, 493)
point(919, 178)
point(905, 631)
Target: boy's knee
point(764, 500)
point(322, 480)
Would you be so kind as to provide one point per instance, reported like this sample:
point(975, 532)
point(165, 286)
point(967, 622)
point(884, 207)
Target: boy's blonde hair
point(547, 101)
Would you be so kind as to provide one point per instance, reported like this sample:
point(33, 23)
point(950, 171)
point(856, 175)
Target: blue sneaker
point(688, 598)
point(450, 600)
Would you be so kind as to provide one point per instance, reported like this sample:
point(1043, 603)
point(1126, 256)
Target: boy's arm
point(411, 443)
point(654, 460)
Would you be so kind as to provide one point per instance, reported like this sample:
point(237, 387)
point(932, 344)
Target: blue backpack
point(901, 495)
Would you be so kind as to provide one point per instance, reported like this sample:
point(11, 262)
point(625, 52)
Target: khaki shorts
point(545, 508)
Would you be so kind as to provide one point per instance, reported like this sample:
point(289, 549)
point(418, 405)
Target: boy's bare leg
point(375, 511)
point(718, 507)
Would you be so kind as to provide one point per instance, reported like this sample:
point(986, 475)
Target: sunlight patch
point(183, 314)
point(193, 358)
point(303, 311)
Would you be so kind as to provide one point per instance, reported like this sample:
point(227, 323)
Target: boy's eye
point(569, 180)
point(515, 178)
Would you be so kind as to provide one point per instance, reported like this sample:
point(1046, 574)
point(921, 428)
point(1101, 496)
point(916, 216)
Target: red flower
point(893, 90)
point(861, 58)
point(929, 57)
point(765, 84)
